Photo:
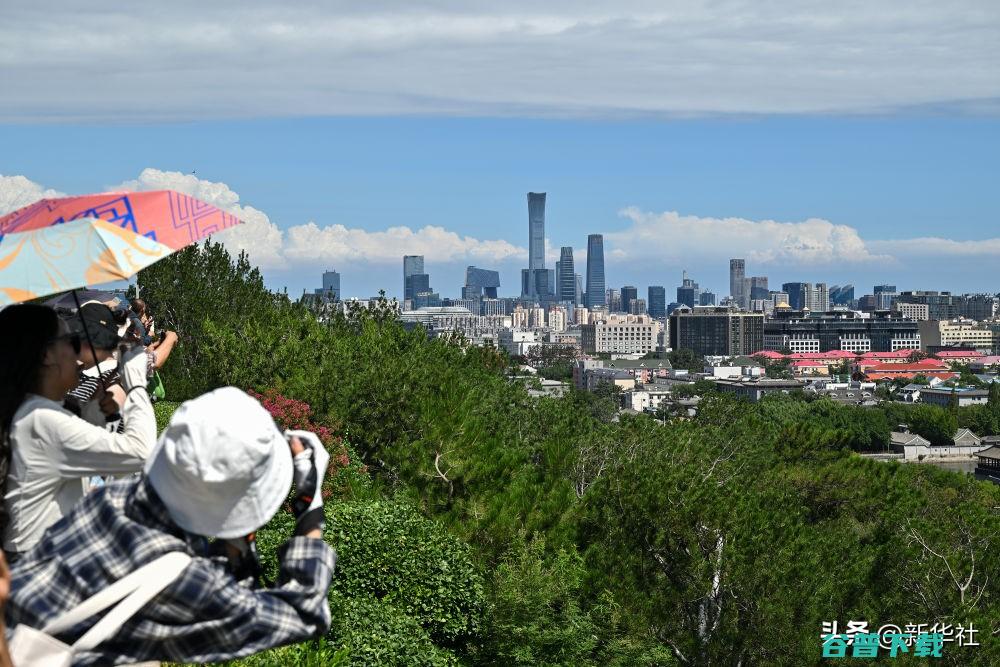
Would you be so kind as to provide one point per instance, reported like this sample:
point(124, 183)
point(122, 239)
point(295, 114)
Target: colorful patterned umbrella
point(62, 257)
point(164, 216)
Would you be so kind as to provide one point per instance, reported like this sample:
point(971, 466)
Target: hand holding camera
point(133, 366)
point(310, 463)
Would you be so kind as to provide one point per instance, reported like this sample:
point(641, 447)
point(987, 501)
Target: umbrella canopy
point(167, 217)
point(82, 252)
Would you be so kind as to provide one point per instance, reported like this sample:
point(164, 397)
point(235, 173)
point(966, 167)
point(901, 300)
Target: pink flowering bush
point(289, 413)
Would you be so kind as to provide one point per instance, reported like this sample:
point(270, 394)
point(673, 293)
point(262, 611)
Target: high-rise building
point(420, 283)
point(614, 300)
point(716, 331)
point(595, 271)
point(637, 306)
point(629, 294)
point(940, 305)
point(817, 298)
point(657, 301)
point(579, 290)
point(885, 296)
point(758, 288)
point(737, 273)
point(536, 230)
point(412, 265)
point(480, 283)
point(806, 295)
point(706, 298)
point(841, 295)
point(688, 293)
point(331, 286)
point(977, 306)
point(567, 275)
point(536, 281)
point(796, 294)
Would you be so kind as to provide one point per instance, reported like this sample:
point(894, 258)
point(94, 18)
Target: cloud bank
point(647, 243)
point(67, 60)
point(677, 238)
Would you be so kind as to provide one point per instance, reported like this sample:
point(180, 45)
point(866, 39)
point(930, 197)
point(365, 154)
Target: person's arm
point(140, 329)
point(229, 620)
point(78, 449)
point(164, 349)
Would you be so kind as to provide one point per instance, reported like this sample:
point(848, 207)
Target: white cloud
point(560, 58)
point(939, 248)
point(650, 241)
point(337, 243)
point(17, 192)
point(678, 238)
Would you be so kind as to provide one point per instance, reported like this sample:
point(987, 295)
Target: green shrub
point(164, 410)
point(377, 632)
point(389, 551)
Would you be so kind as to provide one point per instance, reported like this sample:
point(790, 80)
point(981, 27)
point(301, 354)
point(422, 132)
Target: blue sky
point(847, 143)
point(896, 177)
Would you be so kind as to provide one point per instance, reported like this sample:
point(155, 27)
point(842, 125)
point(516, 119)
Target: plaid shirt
point(203, 616)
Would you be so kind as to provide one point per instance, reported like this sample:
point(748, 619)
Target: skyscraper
point(796, 294)
point(412, 265)
point(536, 230)
point(331, 286)
point(629, 294)
point(688, 293)
point(536, 281)
point(595, 270)
point(758, 287)
point(885, 295)
point(480, 283)
point(567, 275)
point(737, 274)
point(656, 299)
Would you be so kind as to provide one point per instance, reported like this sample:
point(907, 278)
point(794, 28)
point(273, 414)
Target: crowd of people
point(91, 494)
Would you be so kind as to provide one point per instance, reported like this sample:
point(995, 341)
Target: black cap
point(100, 323)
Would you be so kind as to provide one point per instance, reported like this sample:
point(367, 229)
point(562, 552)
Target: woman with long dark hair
point(46, 452)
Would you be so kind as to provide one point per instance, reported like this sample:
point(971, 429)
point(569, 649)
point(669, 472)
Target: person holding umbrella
point(47, 452)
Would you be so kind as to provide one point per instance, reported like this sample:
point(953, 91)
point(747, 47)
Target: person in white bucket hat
point(220, 470)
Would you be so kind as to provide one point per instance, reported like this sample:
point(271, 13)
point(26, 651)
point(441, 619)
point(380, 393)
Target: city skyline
point(300, 221)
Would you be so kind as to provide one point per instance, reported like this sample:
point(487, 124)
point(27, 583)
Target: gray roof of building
point(898, 438)
point(989, 453)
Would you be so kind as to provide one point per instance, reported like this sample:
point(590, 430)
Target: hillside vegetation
point(477, 525)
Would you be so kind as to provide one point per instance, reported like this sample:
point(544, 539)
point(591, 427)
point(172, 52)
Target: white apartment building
point(913, 311)
point(557, 318)
point(956, 333)
point(581, 315)
point(621, 334)
point(518, 343)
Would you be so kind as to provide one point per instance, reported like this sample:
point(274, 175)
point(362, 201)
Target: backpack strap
point(132, 592)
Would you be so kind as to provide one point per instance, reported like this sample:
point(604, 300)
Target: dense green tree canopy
point(497, 528)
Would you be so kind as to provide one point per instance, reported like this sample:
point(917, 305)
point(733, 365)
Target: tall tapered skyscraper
point(595, 270)
point(536, 281)
point(536, 230)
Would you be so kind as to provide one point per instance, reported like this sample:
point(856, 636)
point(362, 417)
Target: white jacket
point(53, 452)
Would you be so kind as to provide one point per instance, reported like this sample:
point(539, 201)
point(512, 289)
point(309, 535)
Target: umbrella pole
point(86, 333)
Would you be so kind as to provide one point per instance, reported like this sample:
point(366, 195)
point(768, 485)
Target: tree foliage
point(499, 528)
